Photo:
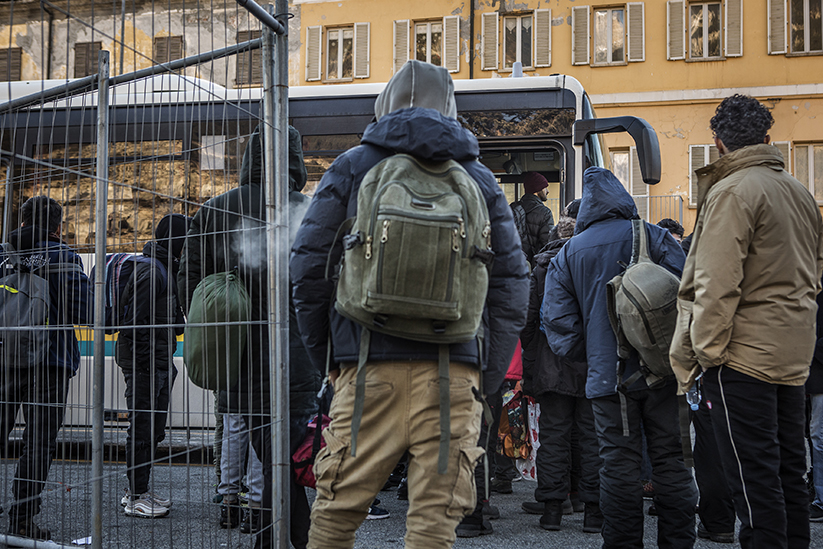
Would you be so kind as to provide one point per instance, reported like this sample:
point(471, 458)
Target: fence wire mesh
point(176, 139)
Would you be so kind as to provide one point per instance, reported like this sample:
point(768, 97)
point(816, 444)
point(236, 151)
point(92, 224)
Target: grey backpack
point(642, 305)
point(415, 263)
point(24, 310)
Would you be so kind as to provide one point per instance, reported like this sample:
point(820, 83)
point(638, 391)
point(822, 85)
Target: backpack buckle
point(486, 257)
point(352, 240)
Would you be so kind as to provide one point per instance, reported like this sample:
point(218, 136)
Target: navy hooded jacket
point(574, 315)
point(424, 133)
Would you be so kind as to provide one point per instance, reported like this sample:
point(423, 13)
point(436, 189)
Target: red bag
point(515, 371)
point(303, 458)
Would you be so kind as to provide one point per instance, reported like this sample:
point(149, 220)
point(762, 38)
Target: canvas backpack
point(119, 286)
point(415, 264)
point(519, 214)
point(642, 307)
point(25, 302)
point(216, 329)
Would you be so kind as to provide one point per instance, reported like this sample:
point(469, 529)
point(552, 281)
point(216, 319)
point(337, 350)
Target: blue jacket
point(71, 294)
point(573, 314)
point(427, 134)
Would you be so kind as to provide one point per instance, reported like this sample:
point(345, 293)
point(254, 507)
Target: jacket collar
point(753, 155)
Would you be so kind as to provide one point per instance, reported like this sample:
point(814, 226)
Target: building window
point(11, 59)
point(86, 58)
point(249, 63)
point(167, 48)
point(620, 166)
point(808, 167)
point(428, 42)
point(806, 26)
point(340, 56)
point(213, 152)
point(699, 156)
point(517, 40)
point(609, 36)
point(704, 30)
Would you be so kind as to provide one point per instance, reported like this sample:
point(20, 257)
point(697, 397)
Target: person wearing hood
point(229, 232)
point(746, 320)
point(575, 320)
point(559, 387)
point(416, 115)
point(42, 390)
point(145, 355)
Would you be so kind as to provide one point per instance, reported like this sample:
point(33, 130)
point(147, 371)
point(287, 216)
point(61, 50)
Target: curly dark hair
point(672, 226)
point(42, 211)
point(740, 121)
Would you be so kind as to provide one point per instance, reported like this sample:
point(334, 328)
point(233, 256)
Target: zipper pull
point(368, 247)
point(455, 241)
point(462, 228)
point(385, 236)
point(487, 232)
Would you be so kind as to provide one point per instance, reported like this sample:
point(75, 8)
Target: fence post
point(100, 228)
point(276, 137)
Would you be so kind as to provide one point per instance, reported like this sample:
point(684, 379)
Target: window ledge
point(619, 64)
point(525, 68)
point(704, 59)
point(805, 53)
point(338, 81)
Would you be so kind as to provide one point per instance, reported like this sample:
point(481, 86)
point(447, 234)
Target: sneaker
point(718, 537)
point(230, 515)
point(815, 513)
point(501, 486)
point(144, 506)
point(251, 521)
point(27, 529)
point(162, 502)
point(377, 513)
point(470, 528)
point(490, 512)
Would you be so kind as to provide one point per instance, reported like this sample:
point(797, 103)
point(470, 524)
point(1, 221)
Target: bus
point(543, 124)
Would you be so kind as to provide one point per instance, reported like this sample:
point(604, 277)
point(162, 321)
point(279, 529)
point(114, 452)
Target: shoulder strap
point(640, 244)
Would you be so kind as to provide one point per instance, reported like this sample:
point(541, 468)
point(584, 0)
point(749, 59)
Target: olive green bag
point(415, 264)
point(216, 330)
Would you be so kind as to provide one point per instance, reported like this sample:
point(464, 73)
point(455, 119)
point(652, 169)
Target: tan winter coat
point(747, 297)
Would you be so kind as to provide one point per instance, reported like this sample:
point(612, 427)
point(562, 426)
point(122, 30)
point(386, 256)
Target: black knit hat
point(171, 232)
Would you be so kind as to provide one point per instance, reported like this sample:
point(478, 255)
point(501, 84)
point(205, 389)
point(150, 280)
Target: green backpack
point(415, 263)
point(216, 331)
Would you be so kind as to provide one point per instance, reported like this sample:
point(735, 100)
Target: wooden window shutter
point(636, 50)
point(734, 28)
point(401, 44)
point(676, 30)
point(697, 159)
point(249, 63)
point(451, 43)
point(161, 50)
point(85, 58)
point(785, 148)
point(542, 38)
point(489, 46)
point(777, 27)
point(636, 184)
point(10, 64)
point(714, 154)
point(580, 35)
point(361, 50)
point(176, 48)
point(314, 38)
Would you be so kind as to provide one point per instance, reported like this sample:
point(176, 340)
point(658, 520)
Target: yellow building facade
point(669, 62)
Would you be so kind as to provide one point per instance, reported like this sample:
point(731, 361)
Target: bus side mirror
point(648, 148)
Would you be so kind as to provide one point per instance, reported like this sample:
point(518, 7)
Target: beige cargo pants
point(401, 412)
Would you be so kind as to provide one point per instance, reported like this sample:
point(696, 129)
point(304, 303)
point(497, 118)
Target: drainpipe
point(50, 42)
point(471, 40)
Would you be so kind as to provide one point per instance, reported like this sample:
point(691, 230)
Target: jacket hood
point(418, 84)
point(424, 133)
point(252, 167)
point(549, 252)
point(28, 238)
point(604, 197)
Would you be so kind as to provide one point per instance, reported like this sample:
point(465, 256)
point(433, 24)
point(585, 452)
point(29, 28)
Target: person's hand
point(333, 375)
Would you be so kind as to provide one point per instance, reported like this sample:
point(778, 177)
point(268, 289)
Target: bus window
point(594, 146)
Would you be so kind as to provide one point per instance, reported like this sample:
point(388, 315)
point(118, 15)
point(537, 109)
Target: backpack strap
point(360, 388)
point(445, 408)
point(685, 431)
point(640, 244)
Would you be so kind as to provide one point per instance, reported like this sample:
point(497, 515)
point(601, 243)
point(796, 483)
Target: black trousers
point(759, 429)
point(558, 416)
point(300, 511)
point(716, 505)
point(147, 398)
point(621, 494)
point(42, 392)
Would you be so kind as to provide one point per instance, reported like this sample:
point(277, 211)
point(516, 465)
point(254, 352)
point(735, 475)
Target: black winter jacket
point(539, 224)
point(543, 371)
point(814, 385)
point(427, 134)
point(71, 294)
point(152, 304)
point(228, 232)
